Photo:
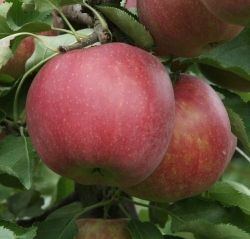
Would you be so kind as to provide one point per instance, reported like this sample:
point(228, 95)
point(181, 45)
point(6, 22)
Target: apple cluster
point(110, 115)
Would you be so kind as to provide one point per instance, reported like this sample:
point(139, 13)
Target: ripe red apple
point(225, 78)
point(102, 115)
point(94, 228)
point(184, 28)
point(200, 148)
point(235, 12)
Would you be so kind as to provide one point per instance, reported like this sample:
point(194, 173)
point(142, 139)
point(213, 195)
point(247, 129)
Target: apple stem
point(243, 154)
point(86, 209)
point(124, 211)
point(98, 15)
point(68, 24)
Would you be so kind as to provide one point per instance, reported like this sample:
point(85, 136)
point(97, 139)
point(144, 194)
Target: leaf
point(205, 230)
point(65, 187)
point(17, 231)
point(61, 228)
point(128, 23)
point(143, 230)
point(239, 114)
point(230, 196)
point(233, 56)
point(26, 204)
point(193, 209)
point(18, 20)
point(17, 158)
point(42, 53)
point(2, 116)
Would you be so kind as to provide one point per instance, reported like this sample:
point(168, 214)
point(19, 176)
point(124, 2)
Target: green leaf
point(17, 158)
point(2, 115)
point(10, 181)
point(26, 204)
point(143, 230)
point(239, 114)
point(205, 230)
point(16, 231)
point(229, 195)
point(61, 228)
point(233, 56)
point(21, 21)
point(128, 23)
point(64, 188)
point(193, 209)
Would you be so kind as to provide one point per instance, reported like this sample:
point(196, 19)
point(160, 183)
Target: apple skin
point(235, 12)
point(94, 228)
point(224, 78)
point(184, 28)
point(102, 115)
point(200, 148)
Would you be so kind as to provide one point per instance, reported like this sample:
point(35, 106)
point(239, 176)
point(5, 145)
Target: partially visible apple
point(200, 148)
point(102, 115)
point(225, 78)
point(15, 66)
point(235, 12)
point(184, 28)
point(94, 228)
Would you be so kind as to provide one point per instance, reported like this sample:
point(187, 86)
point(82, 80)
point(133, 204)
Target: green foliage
point(129, 24)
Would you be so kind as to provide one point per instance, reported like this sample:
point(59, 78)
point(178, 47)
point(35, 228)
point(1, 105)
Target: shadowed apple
point(200, 148)
point(94, 228)
point(184, 28)
point(235, 12)
point(102, 115)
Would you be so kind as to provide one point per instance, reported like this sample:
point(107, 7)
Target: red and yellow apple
point(94, 228)
point(225, 78)
point(184, 28)
point(200, 148)
point(102, 115)
point(235, 12)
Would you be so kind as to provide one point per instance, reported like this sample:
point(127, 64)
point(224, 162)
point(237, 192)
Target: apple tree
point(124, 119)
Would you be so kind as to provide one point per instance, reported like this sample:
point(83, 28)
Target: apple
point(225, 78)
point(96, 228)
point(15, 66)
point(184, 28)
point(235, 12)
point(102, 115)
point(199, 150)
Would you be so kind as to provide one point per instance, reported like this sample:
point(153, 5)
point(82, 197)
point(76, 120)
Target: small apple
point(225, 78)
point(235, 12)
point(200, 147)
point(102, 115)
point(96, 228)
point(184, 28)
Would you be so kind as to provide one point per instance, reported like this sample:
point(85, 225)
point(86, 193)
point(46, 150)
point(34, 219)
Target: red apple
point(225, 78)
point(102, 115)
point(200, 147)
point(94, 228)
point(184, 28)
point(235, 12)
